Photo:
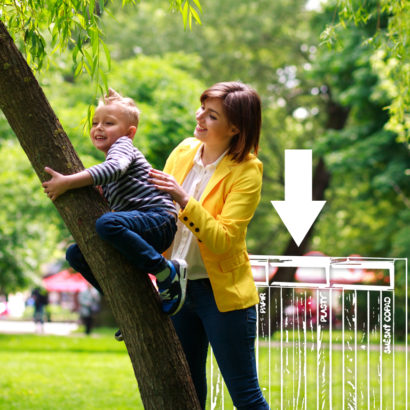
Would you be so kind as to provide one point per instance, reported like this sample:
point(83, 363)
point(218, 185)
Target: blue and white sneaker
point(118, 336)
point(173, 290)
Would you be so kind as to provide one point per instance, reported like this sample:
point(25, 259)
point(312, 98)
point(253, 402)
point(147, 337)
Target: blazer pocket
point(233, 262)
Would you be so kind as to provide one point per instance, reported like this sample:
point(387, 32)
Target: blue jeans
point(232, 338)
point(140, 236)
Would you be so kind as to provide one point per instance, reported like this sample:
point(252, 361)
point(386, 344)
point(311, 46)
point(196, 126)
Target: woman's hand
point(57, 185)
point(167, 183)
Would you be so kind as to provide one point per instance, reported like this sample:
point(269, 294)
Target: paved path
point(49, 328)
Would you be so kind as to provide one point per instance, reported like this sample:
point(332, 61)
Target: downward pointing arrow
point(298, 211)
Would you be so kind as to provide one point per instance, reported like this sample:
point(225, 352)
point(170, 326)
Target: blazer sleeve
point(222, 219)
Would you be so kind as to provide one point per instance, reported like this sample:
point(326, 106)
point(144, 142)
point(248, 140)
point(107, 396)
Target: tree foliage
point(370, 185)
point(47, 27)
point(29, 225)
point(385, 27)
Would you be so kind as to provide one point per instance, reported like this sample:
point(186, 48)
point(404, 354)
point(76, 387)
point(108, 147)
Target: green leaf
point(107, 55)
point(198, 4)
point(78, 69)
point(94, 38)
point(88, 63)
point(184, 12)
point(104, 79)
point(91, 9)
point(94, 66)
point(90, 115)
point(101, 5)
point(75, 53)
point(195, 14)
point(81, 20)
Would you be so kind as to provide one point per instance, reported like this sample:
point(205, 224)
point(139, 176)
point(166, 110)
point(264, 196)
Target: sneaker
point(118, 336)
point(172, 291)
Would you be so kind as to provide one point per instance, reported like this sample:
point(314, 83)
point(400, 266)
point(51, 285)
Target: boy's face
point(109, 123)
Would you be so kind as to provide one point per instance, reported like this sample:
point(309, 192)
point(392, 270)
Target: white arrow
point(298, 211)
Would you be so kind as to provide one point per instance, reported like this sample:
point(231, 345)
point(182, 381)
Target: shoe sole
point(182, 281)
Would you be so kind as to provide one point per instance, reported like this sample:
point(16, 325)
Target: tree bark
point(154, 349)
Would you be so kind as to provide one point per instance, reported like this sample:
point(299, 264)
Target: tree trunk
point(156, 355)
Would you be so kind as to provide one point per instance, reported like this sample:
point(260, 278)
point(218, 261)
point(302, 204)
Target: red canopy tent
point(65, 281)
point(69, 281)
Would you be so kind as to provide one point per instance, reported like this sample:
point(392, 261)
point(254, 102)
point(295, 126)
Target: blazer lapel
point(223, 169)
point(185, 162)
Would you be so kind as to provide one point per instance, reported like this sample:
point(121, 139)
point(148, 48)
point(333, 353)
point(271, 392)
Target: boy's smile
point(109, 123)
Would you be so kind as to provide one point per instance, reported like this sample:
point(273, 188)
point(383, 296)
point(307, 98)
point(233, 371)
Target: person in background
point(40, 301)
point(89, 301)
point(215, 179)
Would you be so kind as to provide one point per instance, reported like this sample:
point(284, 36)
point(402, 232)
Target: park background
point(331, 78)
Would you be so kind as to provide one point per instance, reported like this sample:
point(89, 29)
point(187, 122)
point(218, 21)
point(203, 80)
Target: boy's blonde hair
point(126, 103)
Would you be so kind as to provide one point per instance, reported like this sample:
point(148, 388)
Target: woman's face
point(213, 127)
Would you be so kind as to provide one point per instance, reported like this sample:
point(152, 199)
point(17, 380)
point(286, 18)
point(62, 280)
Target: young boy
point(144, 222)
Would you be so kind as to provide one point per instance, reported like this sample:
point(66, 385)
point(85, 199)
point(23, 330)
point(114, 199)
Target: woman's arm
point(221, 221)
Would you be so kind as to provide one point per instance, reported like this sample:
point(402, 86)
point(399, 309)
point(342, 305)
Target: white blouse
point(184, 247)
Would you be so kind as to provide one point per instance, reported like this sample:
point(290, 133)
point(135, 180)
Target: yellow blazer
point(219, 222)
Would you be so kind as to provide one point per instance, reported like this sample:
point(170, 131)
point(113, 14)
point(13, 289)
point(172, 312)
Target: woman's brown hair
point(242, 107)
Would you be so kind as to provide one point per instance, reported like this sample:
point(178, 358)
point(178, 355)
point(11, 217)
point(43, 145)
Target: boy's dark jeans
point(140, 236)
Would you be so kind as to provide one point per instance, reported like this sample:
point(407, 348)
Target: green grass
point(52, 372)
point(296, 377)
point(358, 380)
point(77, 372)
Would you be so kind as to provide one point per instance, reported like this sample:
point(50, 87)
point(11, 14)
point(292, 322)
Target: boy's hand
point(57, 185)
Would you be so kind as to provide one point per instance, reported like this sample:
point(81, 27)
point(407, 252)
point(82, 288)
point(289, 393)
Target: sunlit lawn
point(77, 372)
point(53, 372)
point(361, 380)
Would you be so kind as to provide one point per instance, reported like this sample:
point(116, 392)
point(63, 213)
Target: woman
point(216, 181)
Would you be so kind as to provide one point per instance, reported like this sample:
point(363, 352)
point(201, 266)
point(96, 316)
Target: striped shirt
point(124, 180)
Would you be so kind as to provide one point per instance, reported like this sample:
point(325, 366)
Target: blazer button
point(196, 229)
point(191, 224)
point(185, 218)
